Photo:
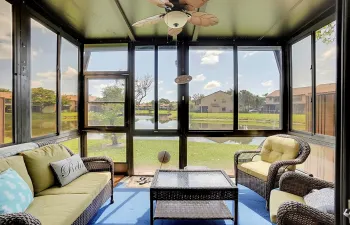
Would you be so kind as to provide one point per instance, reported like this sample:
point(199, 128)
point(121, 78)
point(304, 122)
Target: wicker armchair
point(264, 186)
point(291, 212)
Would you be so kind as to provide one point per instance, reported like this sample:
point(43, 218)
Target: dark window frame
point(311, 136)
point(98, 76)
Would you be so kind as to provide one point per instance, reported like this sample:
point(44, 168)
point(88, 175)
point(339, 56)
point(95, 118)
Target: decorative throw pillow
point(38, 164)
point(69, 169)
point(15, 194)
point(322, 200)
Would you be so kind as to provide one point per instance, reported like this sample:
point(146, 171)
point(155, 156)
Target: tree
point(326, 33)
point(43, 97)
point(65, 100)
point(4, 90)
point(229, 91)
point(142, 86)
point(248, 101)
point(197, 97)
point(164, 101)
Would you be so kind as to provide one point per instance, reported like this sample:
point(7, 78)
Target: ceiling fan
point(178, 13)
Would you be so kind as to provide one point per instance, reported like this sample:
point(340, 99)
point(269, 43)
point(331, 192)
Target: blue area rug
point(131, 206)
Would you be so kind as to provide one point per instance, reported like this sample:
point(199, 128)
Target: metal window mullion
point(58, 85)
point(131, 116)
point(313, 80)
point(235, 87)
point(156, 88)
point(290, 88)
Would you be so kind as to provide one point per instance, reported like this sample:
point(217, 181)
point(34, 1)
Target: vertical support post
point(24, 87)
point(285, 90)
point(58, 86)
point(131, 115)
point(342, 153)
point(156, 113)
point(81, 101)
point(183, 103)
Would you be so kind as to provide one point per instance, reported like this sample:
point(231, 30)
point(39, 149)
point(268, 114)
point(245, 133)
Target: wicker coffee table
point(192, 195)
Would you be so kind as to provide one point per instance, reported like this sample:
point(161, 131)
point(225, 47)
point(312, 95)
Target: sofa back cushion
point(277, 148)
point(38, 164)
point(17, 164)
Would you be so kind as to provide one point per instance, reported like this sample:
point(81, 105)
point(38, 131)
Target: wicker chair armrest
point(297, 213)
point(300, 184)
point(245, 156)
point(98, 164)
point(19, 219)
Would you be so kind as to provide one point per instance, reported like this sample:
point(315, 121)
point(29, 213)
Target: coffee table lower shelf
point(206, 210)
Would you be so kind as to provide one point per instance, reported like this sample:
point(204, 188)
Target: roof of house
point(216, 93)
point(6, 95)
point(321, 88)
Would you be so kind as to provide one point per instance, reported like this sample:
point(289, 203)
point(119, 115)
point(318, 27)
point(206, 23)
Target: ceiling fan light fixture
point(176, 19)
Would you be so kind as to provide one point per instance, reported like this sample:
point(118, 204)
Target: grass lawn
point(213, 155)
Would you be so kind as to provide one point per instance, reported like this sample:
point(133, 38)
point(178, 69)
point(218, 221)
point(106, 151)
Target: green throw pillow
point(38, 164)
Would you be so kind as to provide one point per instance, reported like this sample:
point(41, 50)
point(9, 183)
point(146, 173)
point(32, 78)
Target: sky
point(211, 68)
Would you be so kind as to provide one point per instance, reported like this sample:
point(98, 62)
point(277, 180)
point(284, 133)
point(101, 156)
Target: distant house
point(301, 97)
point(6, 100)
point(72, 106)
point(301, 104)
point(217, 102)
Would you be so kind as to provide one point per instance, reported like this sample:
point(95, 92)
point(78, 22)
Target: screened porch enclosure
point(118, 98)
point(78, 73)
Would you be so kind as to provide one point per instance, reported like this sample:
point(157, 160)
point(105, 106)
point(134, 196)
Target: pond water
point(147, 122)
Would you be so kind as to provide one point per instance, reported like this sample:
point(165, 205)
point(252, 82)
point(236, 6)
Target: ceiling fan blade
point(203, 19)
point(174, 31)
point(161, 3)
point(149, 21)
point(193, 4)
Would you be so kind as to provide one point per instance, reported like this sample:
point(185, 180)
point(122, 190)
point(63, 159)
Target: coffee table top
point(192, 179)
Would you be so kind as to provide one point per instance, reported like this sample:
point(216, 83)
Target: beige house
point(218, 102)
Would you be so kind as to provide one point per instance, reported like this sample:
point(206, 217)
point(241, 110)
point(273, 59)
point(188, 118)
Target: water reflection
point(147, 122)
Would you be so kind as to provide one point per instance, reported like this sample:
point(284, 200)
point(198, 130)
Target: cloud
point(209, 57)
point(70, 73)
point(160, 82)
point(267, 83)
point(5, 50)
point(240, 75)
point(169, 92)
point(212, 84)
point(48, 74)
point(199, 77)
point(6, 23)
point(248, 54)
point(161, 89)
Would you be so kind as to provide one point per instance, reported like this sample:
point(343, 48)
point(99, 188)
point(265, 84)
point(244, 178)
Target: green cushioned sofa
point(75, 203)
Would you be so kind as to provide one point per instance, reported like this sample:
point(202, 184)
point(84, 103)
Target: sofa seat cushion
point(38, 164)
point(279, 148)
point(59, 209)
point(258, 169)
point(17, 164)
point(277, 198)
point(90, 183)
